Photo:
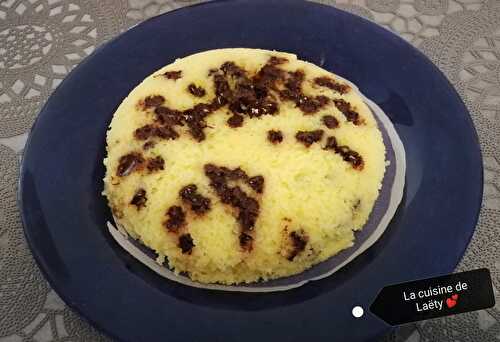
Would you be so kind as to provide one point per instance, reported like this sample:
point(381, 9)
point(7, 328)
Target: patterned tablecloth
point(42, 40)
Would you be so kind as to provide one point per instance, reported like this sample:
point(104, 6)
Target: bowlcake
point(240, 165)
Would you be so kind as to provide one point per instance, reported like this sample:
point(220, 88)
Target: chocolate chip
point(230, 68)
point(310, 105)
point(264, 107)
point(155, 164)
point(186, 243)
point(246, 241)
point(322, 100)
point(235, 121)
point(238, 196)
point(293, 92)
point(225, 193)
point(148, 145)
point(166, 132)
point(299, 242)
point(173, 75)
point(201, 110)
point(348, 155)
point(330, 121)
point(216, 174)
point(295, 80)
point(236, 174)
point(199, 204)
point(331, 144)
point(332, 84)
point(196, 130)
point(163, 132)
point(346, 109)
point(153, 101)
point(248, 208)
point(144, 132)
point(352, 157)
point(257, 183)
point(249, 211)
point(187, 191)
point(129, 163)
point(267, 77)
point(222, 90)
point(196, 91)
point(309, 137)
point(176, 218)
point(251, 96)
point(353, 117)
point(275, 137)
point(139, 199)
point(168, 117)
point(195, 119)
point(277, 60)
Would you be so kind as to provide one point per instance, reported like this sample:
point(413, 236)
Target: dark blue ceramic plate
point(64, 213)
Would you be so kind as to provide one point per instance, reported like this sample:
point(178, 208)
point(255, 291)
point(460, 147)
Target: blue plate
point(64, 214)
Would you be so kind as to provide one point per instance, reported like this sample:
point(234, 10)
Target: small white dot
point(357, 311)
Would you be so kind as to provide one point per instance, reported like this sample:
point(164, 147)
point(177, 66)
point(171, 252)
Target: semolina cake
point(243, 165)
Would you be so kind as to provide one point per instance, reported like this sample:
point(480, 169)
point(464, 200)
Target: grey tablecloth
point(42, 40)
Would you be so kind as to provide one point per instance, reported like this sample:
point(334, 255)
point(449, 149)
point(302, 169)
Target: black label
point(434, 297)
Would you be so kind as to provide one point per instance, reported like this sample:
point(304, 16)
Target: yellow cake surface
point(243, 187)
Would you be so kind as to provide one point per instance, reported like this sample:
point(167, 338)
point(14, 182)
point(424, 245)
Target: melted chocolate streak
point(248, 97)
point(248, 208)
point(135, 161)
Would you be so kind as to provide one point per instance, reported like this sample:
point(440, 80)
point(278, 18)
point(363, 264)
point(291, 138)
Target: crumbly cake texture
point(243, 165)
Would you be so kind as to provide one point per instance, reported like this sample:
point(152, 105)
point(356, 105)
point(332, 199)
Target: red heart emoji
point(450, 302)
point(454, 297)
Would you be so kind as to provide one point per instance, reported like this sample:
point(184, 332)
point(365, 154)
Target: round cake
point(243, 165)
